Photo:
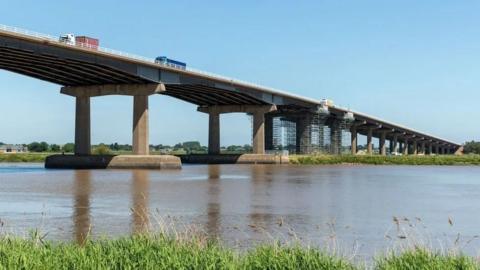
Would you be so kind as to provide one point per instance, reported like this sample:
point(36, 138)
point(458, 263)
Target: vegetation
point(157, 252)
point(386, 160)
point(102, 149)
point(425, 259)
point(24, 157)
point(472, 147)
point(163, 252)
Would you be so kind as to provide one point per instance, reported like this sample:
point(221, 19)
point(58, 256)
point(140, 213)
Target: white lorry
point(67, 39)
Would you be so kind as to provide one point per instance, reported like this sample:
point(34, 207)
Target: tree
point(38, 147)
point(472, 147)
point(55, 148)
point(68, 148)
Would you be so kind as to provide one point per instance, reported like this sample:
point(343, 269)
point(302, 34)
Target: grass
point(424, 259)
point(24, 157)
point(158, 252)
point(385, 160)
point(162, 252)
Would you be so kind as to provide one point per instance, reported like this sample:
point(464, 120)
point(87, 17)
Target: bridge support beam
point(430, 148)
point(82, 126)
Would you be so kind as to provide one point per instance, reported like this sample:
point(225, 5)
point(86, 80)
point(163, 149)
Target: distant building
point(13, 148)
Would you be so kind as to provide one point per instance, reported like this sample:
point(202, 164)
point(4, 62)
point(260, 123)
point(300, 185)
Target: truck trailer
point(163, 60)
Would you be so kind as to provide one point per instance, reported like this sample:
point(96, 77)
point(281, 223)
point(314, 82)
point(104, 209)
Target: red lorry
point(88, 42)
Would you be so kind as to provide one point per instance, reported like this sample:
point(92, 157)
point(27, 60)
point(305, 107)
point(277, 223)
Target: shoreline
point(317, 160)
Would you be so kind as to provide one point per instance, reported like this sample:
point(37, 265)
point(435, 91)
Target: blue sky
point(412, 62)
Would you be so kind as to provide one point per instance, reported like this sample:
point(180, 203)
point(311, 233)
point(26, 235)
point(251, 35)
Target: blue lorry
point(163, 60)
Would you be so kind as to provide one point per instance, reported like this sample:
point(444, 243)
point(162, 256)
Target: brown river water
point(356, 209)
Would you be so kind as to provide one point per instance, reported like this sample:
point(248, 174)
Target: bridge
point(306, 125)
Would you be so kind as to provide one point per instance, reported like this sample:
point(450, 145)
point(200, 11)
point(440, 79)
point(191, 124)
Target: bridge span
point(281, 120)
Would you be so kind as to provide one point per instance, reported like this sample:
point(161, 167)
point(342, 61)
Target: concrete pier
point(82, 126)
point(353, 139)
point(213, 133)
point(257, 111)
point(383, 146)
point(369, 141)
point(395, 144)
point(140, 132)
point(405, 147)
point(258, 132)
point(303, 140)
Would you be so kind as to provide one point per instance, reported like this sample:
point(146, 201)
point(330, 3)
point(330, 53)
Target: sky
point(412, 62)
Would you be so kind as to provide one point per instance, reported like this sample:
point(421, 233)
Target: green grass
point(162, 252)
point(385, 160)
point(24, 157)
point(158, 252)
point(420, 259)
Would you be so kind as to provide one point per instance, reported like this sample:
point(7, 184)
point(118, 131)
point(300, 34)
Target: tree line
point(189, 147)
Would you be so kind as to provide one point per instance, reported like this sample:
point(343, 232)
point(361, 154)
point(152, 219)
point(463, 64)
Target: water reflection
point(82, 187)
point(213, 204)
point(140, 194)
point(260, 202)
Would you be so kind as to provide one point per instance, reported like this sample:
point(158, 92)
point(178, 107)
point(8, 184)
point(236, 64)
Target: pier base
point(235, 159)
point(113, 162)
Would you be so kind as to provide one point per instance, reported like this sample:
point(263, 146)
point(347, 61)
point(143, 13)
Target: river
point(357, 209)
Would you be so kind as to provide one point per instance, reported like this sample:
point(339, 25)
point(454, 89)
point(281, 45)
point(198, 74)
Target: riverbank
point(385, 160)
point(25, 157)
point(162, 252)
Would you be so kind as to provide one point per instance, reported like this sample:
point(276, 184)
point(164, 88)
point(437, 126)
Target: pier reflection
point(213, 205)
point(140, 196)
point(82, 187)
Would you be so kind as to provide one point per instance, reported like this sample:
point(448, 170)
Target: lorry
point(81, 41)
point(67, 39)
point(88, 42)
point(163, 60)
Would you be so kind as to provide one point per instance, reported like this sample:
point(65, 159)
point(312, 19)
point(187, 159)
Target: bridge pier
point(140, 131)
point(82, 126)
point(302, 131)
point(257, 111)
point(140, 142)
point(369, 141)
point(383, 147)
point(213, 133)
point(336, 137)
point(415, 147)
point(354, 139)
point(405, 147)
point(395, 144)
